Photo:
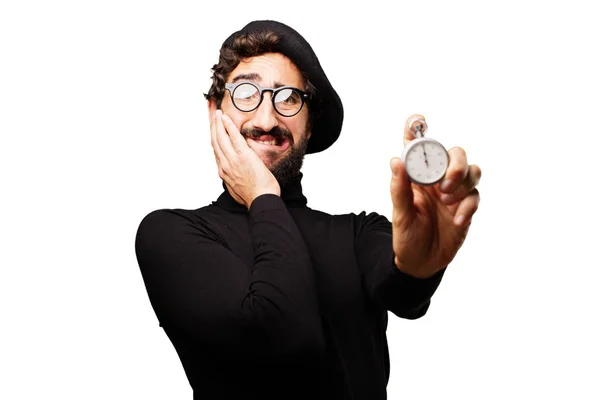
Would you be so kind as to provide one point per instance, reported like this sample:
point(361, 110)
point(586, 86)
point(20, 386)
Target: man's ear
point(212, 108)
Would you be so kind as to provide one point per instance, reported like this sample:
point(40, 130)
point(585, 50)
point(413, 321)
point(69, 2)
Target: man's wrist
point(262, 193)
point(266, 201)
point(418, 273)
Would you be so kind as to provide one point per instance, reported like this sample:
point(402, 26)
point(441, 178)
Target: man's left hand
point(430, 223)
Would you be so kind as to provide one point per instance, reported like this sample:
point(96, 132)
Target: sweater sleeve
point(391, 289)
point(200, 288)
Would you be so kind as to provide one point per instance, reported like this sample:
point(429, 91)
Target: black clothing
point(279, 301)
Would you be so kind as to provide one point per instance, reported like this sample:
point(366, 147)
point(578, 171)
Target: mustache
point(277, 133)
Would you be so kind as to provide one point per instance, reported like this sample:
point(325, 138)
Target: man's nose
point(265, 116)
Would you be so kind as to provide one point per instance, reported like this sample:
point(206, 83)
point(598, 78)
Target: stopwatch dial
point(426, 162)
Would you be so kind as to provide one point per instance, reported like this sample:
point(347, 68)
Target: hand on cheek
point(242, 170)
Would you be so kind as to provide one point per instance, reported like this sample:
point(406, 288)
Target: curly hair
point(243, 47)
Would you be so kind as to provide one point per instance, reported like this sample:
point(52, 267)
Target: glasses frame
point(231, 87)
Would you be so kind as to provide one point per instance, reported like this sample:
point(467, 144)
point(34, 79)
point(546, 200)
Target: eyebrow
point(253, 76)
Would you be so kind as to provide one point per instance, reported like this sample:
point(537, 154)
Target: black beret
point(328, 125)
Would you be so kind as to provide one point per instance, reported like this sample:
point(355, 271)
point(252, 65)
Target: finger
point(400, 188)
point(457, 170)
point(237, 140)
point(223, 137)
point(213, 141)
point(408, 135)
point(470, 182)
point(213, 134)
point(467, 208)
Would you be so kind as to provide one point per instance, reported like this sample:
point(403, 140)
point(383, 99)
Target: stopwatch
point(425, 159)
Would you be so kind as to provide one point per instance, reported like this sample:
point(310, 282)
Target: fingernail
point(459, 220)
point(446, 185)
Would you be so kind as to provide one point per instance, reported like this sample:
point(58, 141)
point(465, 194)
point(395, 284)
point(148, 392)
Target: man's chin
point(284, 160)
point(287, 168)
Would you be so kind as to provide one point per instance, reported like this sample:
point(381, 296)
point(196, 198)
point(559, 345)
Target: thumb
point(400, 188)
point(411, 123)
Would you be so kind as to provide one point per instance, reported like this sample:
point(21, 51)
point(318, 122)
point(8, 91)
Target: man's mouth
point(276, 143)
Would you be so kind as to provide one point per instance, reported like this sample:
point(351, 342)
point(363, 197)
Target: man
point(265, 298)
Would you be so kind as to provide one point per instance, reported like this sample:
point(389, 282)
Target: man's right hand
point(244, 173)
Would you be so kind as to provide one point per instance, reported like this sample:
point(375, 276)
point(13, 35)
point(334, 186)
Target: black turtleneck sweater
point(279, 301)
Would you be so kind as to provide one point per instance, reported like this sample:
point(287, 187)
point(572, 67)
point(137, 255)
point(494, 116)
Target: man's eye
point(287, 96)
point(246, 94)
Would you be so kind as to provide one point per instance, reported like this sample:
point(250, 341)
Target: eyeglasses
point(247, 96)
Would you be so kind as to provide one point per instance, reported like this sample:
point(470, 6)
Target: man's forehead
point(268, 69)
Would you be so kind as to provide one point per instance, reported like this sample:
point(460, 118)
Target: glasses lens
point(288, 101)
point(246, 97)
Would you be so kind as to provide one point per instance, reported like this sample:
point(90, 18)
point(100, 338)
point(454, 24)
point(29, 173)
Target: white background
point(102, 120)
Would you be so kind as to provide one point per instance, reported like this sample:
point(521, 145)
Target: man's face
point(279, 141)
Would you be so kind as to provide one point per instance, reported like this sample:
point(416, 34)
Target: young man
point(265, 298)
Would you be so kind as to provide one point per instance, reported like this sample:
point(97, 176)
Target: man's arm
point(391, 289)
point(200, 288)
point(429, 226)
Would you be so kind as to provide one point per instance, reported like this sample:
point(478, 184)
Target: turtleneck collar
point(291, 194)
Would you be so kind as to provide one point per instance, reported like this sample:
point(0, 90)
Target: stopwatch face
point(426, 161)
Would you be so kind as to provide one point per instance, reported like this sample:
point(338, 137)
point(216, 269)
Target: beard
point(287, 168)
